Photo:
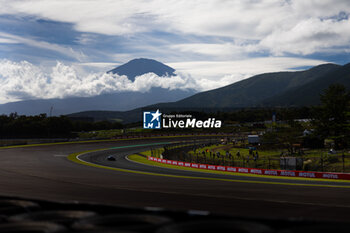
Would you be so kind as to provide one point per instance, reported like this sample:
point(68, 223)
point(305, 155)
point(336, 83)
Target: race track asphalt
point(44, 172)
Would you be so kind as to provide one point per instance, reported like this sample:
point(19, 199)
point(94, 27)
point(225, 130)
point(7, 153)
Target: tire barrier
point(216, 226)
point(126, 222)
point(54, 217)
point(64, 217)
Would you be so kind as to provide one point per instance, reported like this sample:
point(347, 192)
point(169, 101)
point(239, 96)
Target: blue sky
point(213, 43)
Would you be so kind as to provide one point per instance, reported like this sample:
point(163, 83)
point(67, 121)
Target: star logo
point(152, 120)
point(156, 115)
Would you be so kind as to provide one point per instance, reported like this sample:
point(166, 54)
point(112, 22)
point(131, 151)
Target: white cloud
point(218, 50)
point(23, 80)
point(105, 17)
point(309, 36)
point(86, 39)
point(7, 41)
point(240, 69)
point(279, 27)
point(67, 51)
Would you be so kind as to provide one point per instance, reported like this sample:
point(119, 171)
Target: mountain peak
point(140, 66)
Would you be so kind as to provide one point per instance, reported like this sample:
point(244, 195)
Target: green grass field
point(317, 159)
point(267, 158)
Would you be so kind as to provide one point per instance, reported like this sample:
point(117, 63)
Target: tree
point(332, 118)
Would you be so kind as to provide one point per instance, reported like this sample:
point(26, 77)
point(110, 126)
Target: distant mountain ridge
point(260, 90)
point(122, 101)
point(280, 89)
point(118, 101)
point(140, 66)
point(309, 93)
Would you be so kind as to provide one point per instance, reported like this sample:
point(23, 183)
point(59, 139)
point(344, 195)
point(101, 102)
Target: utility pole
point(49, 123)
point(51, 111)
